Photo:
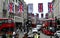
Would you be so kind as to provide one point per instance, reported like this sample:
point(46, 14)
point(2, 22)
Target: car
point(34, 30)
point(57, 34)
point(38, 27)
point(31, 33)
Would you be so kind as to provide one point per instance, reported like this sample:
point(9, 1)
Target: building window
point(19, 0)
point(4, 5)
point(16, 0)
point(13, 0)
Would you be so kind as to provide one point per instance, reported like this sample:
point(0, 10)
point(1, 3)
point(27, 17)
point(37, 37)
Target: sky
point(35, 6)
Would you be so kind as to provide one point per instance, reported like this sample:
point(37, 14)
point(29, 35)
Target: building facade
point(56, 7)
point(20, 17)
point(1, 8)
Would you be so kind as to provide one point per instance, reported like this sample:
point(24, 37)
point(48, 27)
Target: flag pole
point(8, 11)
point(14, 11)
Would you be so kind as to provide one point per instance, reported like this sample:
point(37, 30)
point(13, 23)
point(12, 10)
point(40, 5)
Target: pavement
point(21, 34)
point(41, 35)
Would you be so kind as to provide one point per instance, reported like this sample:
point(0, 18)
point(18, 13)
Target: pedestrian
point(20, 28)
point(36, 35)
point(25, 35)
point(4, 36)
point(17, 36)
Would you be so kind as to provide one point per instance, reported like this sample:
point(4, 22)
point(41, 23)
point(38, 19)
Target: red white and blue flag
point(20, 7)
point(50, 7)
point(30, 8)
point(11, 7)
point(40, 7)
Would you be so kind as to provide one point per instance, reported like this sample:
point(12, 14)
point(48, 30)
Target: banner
point(20, 7)
point(30, 8)
point(11, 7)
point(50, 7)
point(40, 7)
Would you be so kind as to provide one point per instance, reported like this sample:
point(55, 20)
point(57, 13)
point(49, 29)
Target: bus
point(7, 25)
point(49, 26)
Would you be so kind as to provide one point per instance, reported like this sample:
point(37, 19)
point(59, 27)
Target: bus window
point(9, 21)
point(5, 21)
point(1, 22)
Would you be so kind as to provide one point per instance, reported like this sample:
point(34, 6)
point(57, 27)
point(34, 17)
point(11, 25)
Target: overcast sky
point(35, 5)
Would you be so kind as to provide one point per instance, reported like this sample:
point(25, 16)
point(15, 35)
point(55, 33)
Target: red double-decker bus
point(7, 25)
point(49, 26)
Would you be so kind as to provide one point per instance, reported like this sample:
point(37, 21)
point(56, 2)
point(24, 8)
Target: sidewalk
point(21, 34)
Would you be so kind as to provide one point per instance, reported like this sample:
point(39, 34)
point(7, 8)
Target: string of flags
point(11, 7)
point(30, 8)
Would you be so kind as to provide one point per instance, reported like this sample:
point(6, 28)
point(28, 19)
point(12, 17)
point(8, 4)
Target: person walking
point(36, 35)
point(25, 35)
point(4, 36)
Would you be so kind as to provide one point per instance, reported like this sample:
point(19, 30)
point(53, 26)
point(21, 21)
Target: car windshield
point(5, 21)
point(1, 21)
point(58, 32)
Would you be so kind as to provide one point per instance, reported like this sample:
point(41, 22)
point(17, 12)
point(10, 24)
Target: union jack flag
point(20, 7)
point(11, 7)
point(50, 7)
point(30, 8)
point(40, 7)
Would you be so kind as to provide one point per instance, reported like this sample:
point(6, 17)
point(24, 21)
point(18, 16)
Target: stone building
point(18, 17)
point(56, 7)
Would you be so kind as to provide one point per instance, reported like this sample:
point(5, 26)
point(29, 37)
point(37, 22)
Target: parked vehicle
point(38, 27)
point(34, 30)
point(57, 34)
